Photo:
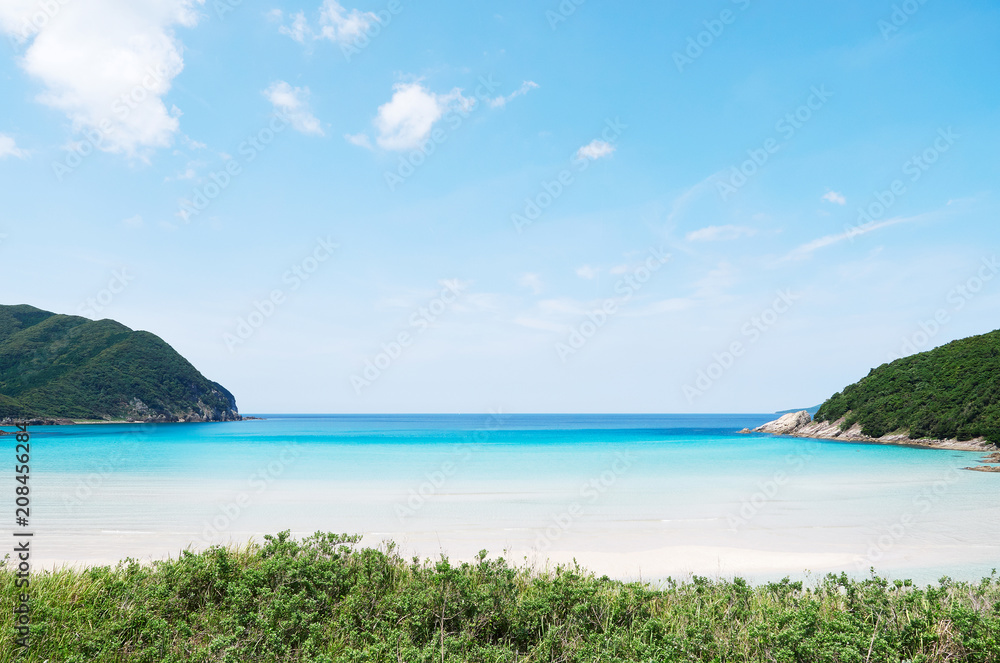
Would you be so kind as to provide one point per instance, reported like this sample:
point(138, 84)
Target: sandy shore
point(629, 558)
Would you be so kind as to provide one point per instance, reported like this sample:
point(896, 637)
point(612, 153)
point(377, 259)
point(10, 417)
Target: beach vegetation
point(327, 599)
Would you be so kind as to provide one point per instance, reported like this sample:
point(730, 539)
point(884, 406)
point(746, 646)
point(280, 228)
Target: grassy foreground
point(323, 599)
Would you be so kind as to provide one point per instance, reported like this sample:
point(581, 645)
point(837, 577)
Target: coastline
point(550, 494)
point(800, 424)
point(63, 421)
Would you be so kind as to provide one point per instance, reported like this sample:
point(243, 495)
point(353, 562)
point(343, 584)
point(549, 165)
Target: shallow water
point(626, 495)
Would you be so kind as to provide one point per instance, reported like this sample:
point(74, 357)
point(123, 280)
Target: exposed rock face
point(800, 424)
point(787, 424)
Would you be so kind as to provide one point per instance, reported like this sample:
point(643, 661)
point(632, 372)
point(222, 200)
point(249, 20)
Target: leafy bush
point(324, 599)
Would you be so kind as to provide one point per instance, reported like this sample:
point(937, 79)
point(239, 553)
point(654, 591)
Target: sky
point(576, 206)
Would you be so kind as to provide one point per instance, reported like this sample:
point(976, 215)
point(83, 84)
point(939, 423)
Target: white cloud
point(405, 121)
point(338, 25)
point(133, 222)
point(190, 172)
point(526, 86)
point(835, 197)
point(293, 103)
point(587, 272)
point(361, 140)
point(335, 24)
point(531, 281)
point(596, 149)
point(299, 30)
point(9, 148)
point(107, 64)
point(720, 233)
point(806, 250)
point(194, 144)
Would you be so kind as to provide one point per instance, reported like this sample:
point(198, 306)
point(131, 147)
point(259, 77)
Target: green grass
point(324, 599)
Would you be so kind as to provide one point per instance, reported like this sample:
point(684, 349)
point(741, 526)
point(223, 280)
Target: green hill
point(64, 366)
point(950, 392)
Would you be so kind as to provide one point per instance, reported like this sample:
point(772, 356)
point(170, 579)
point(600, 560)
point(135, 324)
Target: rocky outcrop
point(800, 424)
point(33, 422)
point(787, 424)
point(139, 412)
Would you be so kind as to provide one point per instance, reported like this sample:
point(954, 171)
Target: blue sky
point(728, 206)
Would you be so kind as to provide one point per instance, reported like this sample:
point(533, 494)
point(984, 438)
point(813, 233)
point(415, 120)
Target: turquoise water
point(627, 495)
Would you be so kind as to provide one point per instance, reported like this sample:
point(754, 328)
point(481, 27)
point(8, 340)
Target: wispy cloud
point(361, 140)
point(526, 87)
point(339, 25)
point(806, 250)
point(293, 103)
point(720, 233)
point(336, 24)
point(595, 149)
point(9, 148)
point(531, 281)
point(835, 197)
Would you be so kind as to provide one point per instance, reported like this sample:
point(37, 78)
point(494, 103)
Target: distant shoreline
point(800, 424)
point(63, 421)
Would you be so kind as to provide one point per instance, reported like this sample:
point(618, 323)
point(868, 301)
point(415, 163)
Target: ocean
point(630, 496)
